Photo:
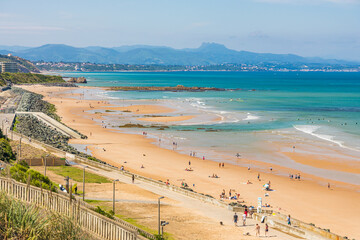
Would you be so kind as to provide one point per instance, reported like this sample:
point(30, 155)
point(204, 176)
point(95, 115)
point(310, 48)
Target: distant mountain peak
point(212, 45)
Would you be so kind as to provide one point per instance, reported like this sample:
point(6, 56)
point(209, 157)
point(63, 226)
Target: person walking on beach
point(244, 219)
point(189, 163)
point(266, 229)
point(223, 164)
point(258, 177)
point(133, 178)
point(289, 220)
point(235, 219)
point(257, 230)
point(328, 185)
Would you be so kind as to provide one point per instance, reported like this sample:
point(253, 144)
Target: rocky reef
point(77, 80)
point(178, 88)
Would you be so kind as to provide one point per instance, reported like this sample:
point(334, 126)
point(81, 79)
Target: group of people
point(192, 154)
point(297, 176)
point(221, 165)
point(214, 175)
point(231, 196)
point(184, 184)
point(244, 218)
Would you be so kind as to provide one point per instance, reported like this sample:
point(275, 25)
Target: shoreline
point(163, 164)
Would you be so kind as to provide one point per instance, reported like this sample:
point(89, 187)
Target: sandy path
point(305, 200)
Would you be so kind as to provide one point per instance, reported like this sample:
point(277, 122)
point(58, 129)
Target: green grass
point(77, 174)
point(132, 221)
point(93, 201)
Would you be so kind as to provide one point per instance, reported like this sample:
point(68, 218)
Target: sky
point(323, 28)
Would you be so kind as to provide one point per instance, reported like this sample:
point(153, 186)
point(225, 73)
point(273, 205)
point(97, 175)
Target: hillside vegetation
point(22, 78)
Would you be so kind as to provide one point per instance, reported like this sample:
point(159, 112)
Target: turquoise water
point(311, 110)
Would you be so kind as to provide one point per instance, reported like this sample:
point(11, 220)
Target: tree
point(6, 153)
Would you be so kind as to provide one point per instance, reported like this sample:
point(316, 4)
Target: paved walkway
point(6, 120)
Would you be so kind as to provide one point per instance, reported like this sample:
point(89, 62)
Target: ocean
point(269, 113)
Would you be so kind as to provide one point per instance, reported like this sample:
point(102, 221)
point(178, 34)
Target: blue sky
point(325, 28)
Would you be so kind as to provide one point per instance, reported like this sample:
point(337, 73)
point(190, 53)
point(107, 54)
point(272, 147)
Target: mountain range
point(206, 54)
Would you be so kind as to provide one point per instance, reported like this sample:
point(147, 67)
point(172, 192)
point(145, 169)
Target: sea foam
point(311, 130)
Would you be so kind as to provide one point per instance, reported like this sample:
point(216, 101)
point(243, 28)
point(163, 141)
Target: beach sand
point(308, 200)
point(141, 109)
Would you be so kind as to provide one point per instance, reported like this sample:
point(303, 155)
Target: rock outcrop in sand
point(77, 80)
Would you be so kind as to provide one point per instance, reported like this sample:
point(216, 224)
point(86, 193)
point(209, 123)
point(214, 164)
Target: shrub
point(103, 212)
point(21, 172)
point(6, 153)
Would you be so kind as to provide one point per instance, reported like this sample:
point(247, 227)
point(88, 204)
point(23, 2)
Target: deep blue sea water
point(313, 110)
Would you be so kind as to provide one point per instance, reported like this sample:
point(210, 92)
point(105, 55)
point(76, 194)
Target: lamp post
point(20, 149)
point(159, 213)
point(84, 183)
point(114, 194)
point(45, 163)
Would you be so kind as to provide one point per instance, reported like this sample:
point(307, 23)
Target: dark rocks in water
point(178, 88)
point(136, 125)
point(77, 80)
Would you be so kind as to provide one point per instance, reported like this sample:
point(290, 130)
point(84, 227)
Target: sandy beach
point(308, 200)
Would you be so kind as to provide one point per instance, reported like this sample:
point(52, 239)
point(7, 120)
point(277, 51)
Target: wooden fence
point(94, 223)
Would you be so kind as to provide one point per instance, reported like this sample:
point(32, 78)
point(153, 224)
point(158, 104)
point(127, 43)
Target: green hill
point(21, 78)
